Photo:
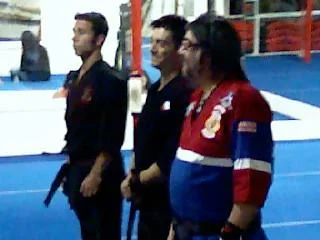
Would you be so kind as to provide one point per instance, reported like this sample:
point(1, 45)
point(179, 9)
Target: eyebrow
point(78, 29)
point(189, 40)
point(157, 39)
point(186, 39)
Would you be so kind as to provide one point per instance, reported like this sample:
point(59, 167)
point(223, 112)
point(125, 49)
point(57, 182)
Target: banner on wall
point(17, 16)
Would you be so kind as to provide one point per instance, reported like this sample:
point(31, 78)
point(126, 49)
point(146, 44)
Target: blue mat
point(294, 197)
point(55, 82)
point(287, 76)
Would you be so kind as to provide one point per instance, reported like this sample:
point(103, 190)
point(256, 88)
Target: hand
point(60, 93)
point(171, 233)
point(125, 188)
point(90, 185)
point(230, 232)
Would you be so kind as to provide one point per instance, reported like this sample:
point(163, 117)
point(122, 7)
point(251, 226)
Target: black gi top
point(158, 130)
point(96, 113)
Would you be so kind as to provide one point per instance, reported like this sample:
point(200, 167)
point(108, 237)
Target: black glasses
point(186, 44)
point(160, 42)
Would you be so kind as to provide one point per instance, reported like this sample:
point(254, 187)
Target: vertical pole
point(210, 4)
point(253, 15)
point(176, 6)
point(136, 26)
point(308, 31)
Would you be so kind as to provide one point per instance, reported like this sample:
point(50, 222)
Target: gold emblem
point(212, 125)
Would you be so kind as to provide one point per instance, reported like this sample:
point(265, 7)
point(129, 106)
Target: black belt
point(189, 228)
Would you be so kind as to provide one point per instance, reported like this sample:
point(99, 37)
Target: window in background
point(17, 16)
point(316, 4)
point(267, 6)
point(236, 7)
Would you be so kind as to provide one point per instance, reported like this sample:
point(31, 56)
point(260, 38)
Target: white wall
point(57, 23)
point(32, 122)
point(222, 7)
point(200, 7)
point(56, 26)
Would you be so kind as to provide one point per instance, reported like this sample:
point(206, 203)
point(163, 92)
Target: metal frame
point(257, 17)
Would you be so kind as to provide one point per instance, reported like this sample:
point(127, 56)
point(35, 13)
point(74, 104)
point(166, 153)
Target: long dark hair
point(30, 47)
point(29, 41)
point(221, 43)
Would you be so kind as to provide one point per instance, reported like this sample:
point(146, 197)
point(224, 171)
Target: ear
point(100, 40)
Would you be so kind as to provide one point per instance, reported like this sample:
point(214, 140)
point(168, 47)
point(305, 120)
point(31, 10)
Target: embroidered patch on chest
point(213, 124)
point(87, 95)
point(165, 106)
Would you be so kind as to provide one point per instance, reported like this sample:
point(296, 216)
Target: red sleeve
point(252, 147)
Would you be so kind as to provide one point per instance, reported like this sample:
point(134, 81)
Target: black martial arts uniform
point(156, 141)
point(96, 118)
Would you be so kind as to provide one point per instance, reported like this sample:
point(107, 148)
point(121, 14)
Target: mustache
point(154, 54)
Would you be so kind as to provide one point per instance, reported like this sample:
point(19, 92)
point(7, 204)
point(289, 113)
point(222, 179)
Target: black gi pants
point(100, 215)
point(155, 216)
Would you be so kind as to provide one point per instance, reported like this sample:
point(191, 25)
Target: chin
point(189, 75)
point(77, 52)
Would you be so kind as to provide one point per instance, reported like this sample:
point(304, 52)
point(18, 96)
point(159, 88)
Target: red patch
point(87, 95)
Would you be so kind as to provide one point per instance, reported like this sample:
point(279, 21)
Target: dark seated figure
point(34, 64)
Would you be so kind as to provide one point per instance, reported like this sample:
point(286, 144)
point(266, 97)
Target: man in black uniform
point(95, 119)
point(158, 131)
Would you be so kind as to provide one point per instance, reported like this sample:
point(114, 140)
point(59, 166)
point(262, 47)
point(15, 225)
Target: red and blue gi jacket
point(225, 154)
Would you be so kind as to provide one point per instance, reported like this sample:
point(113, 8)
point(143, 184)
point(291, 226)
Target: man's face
point(84, 41)
point(164, 54)
point(191, 54)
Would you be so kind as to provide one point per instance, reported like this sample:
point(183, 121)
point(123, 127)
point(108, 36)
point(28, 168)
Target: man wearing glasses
point(222, 172)
point(158, 131)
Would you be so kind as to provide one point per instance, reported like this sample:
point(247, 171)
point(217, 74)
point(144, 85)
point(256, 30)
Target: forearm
point(100, 164)
point(243, 214)
point(151, 175)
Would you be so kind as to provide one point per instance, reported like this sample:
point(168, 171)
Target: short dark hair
point(173, 23)
point(98, 21)
point(220, 41)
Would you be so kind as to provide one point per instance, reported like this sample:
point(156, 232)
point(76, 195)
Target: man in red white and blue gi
point(223, 168)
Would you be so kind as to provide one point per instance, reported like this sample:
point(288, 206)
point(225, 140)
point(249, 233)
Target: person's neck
point(167, 76)
point(91, 59)
point(208, 83)
point(88, 61)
